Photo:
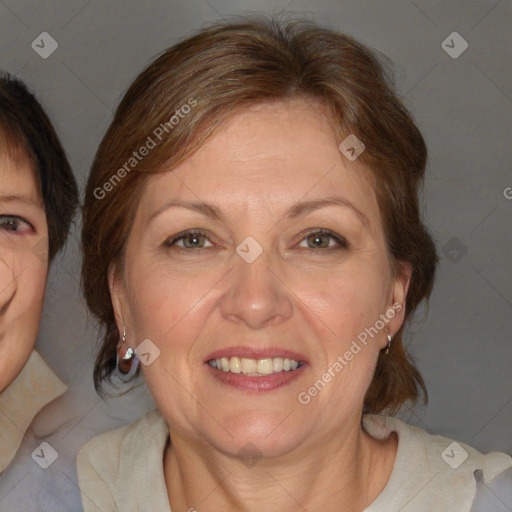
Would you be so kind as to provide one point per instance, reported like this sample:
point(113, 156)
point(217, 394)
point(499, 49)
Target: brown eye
point(15, 224)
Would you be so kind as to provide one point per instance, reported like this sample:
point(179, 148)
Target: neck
point(340, 471)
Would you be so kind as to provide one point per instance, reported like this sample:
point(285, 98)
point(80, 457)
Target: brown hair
point(222, 70)
point(26, 129)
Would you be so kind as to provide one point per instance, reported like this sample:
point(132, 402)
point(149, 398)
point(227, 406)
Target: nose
point(256, 294)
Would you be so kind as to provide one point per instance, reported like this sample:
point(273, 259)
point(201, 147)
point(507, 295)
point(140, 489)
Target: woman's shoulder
point(113, 467)
point(432, 469)
point(443, 453)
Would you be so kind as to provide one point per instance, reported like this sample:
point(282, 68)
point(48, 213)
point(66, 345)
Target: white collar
point(34, 387)
point(421, 480)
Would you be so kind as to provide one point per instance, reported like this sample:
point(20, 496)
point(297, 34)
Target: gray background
point(463, 107)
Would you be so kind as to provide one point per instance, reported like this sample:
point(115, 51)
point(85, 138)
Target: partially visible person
point(38, 199)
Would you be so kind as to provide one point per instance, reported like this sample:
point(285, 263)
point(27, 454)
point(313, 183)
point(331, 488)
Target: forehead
point(17, 175)
point(272, 153)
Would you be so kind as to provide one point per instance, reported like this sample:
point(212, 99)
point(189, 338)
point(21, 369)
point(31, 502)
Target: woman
point(38, 198)
point(252, 238)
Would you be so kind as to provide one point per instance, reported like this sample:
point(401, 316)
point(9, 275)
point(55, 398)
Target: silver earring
point(389, 344)
point(125, 363)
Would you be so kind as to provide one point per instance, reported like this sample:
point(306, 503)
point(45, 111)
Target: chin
point(268, 434)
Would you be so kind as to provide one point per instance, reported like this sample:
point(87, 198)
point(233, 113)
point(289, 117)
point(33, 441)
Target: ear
point(118, 298)
point(397, 300)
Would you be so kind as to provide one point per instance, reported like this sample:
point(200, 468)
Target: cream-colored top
point(122, 470)
point(34, 387)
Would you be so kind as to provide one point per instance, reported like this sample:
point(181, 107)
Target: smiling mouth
point(255, 367)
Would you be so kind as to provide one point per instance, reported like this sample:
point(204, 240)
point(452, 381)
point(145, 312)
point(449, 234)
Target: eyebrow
point(23, 199)
point(299, 209)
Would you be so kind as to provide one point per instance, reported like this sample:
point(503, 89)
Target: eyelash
point(342, 243)
point(17, 221)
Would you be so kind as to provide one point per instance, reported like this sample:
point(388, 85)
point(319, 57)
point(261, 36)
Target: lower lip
point(257, 384)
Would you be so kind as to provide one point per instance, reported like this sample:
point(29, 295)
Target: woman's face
point(259, 282)
point(23, 264)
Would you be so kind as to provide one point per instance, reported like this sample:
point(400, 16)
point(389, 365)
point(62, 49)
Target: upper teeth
point(254, 367)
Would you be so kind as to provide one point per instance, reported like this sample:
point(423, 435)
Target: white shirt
point(34, 387)
point(122, 470)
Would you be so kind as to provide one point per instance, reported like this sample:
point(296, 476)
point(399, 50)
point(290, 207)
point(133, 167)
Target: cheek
point(345, 300)
point(23, 278)
point(342, 309)
point(31, 285)
point(159, 299)
point(7, 282)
